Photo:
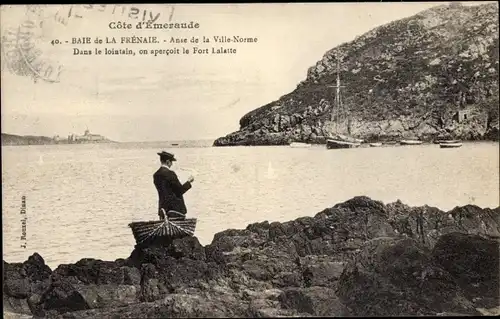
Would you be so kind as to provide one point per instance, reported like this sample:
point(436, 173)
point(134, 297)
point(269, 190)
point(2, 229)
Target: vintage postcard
point(250, 160)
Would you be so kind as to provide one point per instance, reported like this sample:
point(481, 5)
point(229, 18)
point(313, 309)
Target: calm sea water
point(81, 198)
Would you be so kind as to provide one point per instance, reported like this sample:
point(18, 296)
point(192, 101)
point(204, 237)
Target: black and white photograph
point(328, 159)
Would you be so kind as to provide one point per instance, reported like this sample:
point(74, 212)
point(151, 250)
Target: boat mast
point(337, 107)
point(337, 96)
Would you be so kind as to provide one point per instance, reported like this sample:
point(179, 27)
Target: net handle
point(164, 216)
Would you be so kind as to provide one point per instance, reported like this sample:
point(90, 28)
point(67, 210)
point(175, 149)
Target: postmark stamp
point(23, 48)
point(26, 47)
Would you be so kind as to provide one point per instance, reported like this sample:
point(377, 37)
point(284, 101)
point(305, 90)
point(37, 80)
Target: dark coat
point(170, 191)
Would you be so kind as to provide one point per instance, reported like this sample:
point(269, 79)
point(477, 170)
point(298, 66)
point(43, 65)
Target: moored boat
point(446, 141)
point(299, 145)
point(390, 143)
point(375, 144)
point(340, 115)
point(335, 144)
point(346, 138)
point(450, 145)
point(410, 142)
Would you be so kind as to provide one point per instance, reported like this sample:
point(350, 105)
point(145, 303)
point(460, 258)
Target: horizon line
point(135, 141)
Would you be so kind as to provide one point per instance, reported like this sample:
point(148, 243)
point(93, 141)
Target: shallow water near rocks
point(81, 198)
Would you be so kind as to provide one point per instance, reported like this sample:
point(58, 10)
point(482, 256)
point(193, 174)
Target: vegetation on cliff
point(407, 78)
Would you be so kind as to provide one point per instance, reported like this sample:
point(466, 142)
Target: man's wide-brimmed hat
point(167, 155)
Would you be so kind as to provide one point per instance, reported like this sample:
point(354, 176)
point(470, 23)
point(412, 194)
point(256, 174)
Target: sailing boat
point(340, 141)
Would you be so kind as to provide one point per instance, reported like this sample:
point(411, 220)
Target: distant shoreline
point(22, 140)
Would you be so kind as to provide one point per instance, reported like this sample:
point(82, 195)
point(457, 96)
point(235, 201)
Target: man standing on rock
point(170, 190)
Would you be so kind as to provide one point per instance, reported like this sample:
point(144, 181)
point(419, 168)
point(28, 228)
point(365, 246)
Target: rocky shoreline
point(368, 131)
point(431, 75)
point(358, 258)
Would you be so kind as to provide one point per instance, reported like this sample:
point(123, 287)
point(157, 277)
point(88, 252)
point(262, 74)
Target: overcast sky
point(146, 98)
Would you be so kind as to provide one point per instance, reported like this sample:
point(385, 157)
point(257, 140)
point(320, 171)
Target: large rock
point(323, 271)
point(316, 301)
point(173, 306)
point(15, 282)
point(107, 295)
point(17, 306)
point(188, 247)
point(23, 279)
point(36, 269)
point(475, 263)
point(427, 224)
point(93, 271)
point(24, 284)
point(396, 277)
point(62, 296)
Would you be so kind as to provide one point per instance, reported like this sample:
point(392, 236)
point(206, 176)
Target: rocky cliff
point(358, 258)
point(408, 78)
